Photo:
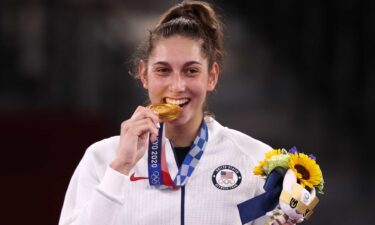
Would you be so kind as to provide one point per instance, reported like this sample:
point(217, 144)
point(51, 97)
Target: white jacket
point(98, 195)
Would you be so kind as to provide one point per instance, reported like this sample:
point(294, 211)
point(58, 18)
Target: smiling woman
point(198, 171)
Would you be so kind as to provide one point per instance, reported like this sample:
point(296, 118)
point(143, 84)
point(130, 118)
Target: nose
point(178, 83)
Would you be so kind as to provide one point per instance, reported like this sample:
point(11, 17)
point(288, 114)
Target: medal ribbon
point(154, 159)
point(159, 175)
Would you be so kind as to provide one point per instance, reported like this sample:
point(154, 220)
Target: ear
point(142, 71)
point(213, 77)
point(289, 179)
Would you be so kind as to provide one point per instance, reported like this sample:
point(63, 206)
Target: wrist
point(123, 168)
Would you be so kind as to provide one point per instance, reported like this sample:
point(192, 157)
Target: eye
point(162, 70)
point(192, 71)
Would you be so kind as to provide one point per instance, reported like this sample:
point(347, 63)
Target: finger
point(153, 137)
point(139, 108)
point(144, 112)
point(140, 114)
point(142, 126)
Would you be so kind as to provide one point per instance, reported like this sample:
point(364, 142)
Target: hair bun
point(200, 12)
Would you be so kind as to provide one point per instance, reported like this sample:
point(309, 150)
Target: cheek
point(155, 88)
point(199, 88)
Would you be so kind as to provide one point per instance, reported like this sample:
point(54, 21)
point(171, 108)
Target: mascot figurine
point(296, 203)
point(292, 181)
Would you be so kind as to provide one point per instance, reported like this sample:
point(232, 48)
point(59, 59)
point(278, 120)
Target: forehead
point(177, 49)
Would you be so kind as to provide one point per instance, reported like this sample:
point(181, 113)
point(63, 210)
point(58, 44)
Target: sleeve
point(91, 199)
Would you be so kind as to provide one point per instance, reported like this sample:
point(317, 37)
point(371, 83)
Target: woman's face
point(177, 72)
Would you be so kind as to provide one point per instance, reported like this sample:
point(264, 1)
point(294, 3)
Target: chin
point(179, 121)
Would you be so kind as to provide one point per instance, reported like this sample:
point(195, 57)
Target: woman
point(204, 169)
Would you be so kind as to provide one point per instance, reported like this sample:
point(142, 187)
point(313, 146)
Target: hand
point(134, 137)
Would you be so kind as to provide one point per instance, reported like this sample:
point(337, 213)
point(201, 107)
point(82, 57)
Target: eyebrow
point(189, 63)
point(162, 63)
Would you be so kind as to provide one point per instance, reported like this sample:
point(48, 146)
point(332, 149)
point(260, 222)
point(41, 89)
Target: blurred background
point(296, 73)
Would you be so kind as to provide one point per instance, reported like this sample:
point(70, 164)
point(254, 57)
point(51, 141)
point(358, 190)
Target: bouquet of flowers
point(303, 178)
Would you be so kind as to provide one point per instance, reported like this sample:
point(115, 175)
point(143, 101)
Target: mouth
point(180, 102)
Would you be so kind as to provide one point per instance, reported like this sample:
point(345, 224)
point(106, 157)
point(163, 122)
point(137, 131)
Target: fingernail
point(155, 112)
point(158, 125)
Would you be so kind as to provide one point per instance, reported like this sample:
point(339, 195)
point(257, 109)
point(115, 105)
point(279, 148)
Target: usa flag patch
point(226, 177)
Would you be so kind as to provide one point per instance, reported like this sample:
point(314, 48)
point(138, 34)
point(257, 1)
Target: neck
point(183, 135)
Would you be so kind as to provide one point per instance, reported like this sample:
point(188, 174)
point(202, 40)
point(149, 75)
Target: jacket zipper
point(182, 214)
point(183, 205)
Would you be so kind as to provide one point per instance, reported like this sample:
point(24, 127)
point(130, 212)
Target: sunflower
point(259, 169)
point(306, 170)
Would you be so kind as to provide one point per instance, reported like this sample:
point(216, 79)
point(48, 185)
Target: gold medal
point(166, 111)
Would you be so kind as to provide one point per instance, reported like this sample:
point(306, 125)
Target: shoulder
point(104, 150)
point(96, 158)
point(244, 143)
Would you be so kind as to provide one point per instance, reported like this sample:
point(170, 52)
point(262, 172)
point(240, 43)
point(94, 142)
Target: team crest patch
point(226, 177)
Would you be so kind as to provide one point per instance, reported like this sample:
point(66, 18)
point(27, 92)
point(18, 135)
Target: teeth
point(176, 101)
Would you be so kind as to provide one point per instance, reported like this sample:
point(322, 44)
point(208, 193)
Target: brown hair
point(193, 19)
